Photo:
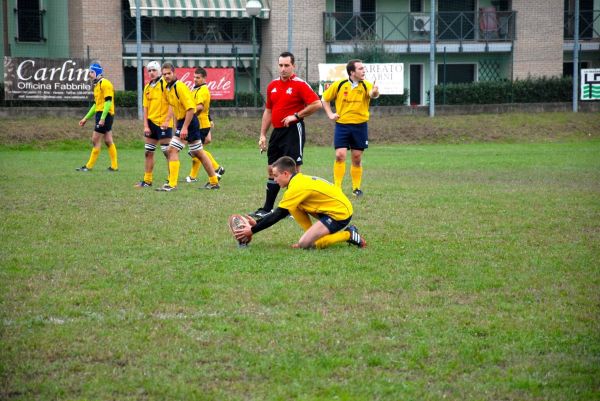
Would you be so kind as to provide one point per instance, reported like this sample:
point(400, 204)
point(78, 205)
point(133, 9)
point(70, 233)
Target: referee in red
point(289, 101)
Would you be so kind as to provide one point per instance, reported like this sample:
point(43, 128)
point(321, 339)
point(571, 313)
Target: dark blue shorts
point(194, 134)
point(333, 225)
point(158, 133)
point(204, 133)
point(351, 136)
point(108, 122)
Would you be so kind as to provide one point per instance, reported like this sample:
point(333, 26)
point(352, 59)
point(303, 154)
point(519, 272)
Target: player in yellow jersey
point(104, 110)
point(352, 97)
point(179, 97)
point(202, 98)
point(308, 196)
point(157, 121)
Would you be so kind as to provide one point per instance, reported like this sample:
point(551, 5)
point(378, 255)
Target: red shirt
point(284, 98)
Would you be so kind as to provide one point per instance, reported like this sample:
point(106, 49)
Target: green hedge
point(532, 90)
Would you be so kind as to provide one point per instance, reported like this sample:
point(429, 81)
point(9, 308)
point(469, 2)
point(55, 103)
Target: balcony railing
point(589, 25)
point(483, 26)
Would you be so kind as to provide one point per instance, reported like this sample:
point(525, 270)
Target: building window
point(416, 6)
point(29, 21)
point(456, 73)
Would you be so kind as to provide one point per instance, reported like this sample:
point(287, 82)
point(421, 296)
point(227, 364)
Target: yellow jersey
point(316, 196)
point(179, 96)
point(155, 102)
point(202, 96)
point(351, 100)
point(103, 89)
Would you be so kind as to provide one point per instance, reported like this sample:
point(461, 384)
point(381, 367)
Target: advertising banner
point(28, 78)
point(590, 84)
point(220, 81)
point(389, 76)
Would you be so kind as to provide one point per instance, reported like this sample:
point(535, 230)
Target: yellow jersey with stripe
point(351, 100)
point(155, 102)
point(179, 96)
point(202, 96)
point(316, 196)
point(103, 89)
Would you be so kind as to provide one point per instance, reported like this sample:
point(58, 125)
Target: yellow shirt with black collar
point(202, 96)
point(103, 89)
point(155, 102)
point(315, 196)
point(179, 96)
point(351, 100)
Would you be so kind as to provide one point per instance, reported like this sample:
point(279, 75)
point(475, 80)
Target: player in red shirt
point(289, 101)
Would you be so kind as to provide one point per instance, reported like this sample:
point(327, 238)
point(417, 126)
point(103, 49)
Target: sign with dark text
point(28, 78)
point(220, 81)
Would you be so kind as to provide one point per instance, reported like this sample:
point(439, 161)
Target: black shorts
point(287, 141)
point(108, 122)
point(204, 133)
point(158, 133)
point(193, 130)
point(333, 225)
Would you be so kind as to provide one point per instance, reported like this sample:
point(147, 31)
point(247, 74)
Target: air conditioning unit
point(421, 23)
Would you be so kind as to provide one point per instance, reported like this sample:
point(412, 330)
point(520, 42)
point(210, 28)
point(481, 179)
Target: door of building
point(416, 79)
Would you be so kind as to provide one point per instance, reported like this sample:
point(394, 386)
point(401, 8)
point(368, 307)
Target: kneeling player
point(308, 196)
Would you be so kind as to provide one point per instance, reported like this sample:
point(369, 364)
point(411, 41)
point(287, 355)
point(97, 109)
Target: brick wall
point(98, 25)
point(307, 33)
point(538, 49)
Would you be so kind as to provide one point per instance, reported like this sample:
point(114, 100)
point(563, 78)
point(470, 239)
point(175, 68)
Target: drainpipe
point(576, 57)
point(432, 60)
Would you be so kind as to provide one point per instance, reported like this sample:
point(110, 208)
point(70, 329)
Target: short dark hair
point(168, 66)
point(351, 66)
point(290, 55)
point(200, 71)
point(285, 163)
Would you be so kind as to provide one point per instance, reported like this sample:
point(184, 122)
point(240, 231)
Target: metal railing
point(589, 25)
point(481, 26)
point(189, 30)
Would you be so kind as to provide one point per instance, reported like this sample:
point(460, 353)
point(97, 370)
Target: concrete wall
point(131, 113)
point(98, 25)
point(539, 45)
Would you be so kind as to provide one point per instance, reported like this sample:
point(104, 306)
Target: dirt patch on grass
point(382, 129)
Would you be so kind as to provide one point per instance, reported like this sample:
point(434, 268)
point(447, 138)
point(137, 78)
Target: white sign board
point(389, 76)
point(590, 84)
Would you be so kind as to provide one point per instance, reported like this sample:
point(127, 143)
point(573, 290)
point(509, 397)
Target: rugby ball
point(235, 222)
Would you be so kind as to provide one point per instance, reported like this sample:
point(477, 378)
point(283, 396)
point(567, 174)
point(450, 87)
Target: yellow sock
point(212, 160)
point(356, 173)
point(339, 169)
point(148, 177)
point(331, 239)
point(112, 152)
point(93, 157)
point(214, 180)
point(173, 173)
point(196, 163)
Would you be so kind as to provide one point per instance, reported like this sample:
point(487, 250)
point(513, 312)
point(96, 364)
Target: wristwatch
point(297, 116)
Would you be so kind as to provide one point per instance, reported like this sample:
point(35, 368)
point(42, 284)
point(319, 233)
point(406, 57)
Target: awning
point(196, 8)
point(213, 62)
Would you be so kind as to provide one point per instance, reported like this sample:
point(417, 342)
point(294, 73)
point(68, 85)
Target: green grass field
point(481, 281)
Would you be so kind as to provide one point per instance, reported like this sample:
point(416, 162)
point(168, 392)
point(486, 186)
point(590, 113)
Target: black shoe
point(208, 185)
point(355, 237)
point(143, 184)
point(166, 188)
point(82, 168)
point(219, 172)
point(112, 170)
point(259, 214)
point(357, 193)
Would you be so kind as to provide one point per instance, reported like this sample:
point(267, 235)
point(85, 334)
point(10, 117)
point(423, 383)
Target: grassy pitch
point(480, 280)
